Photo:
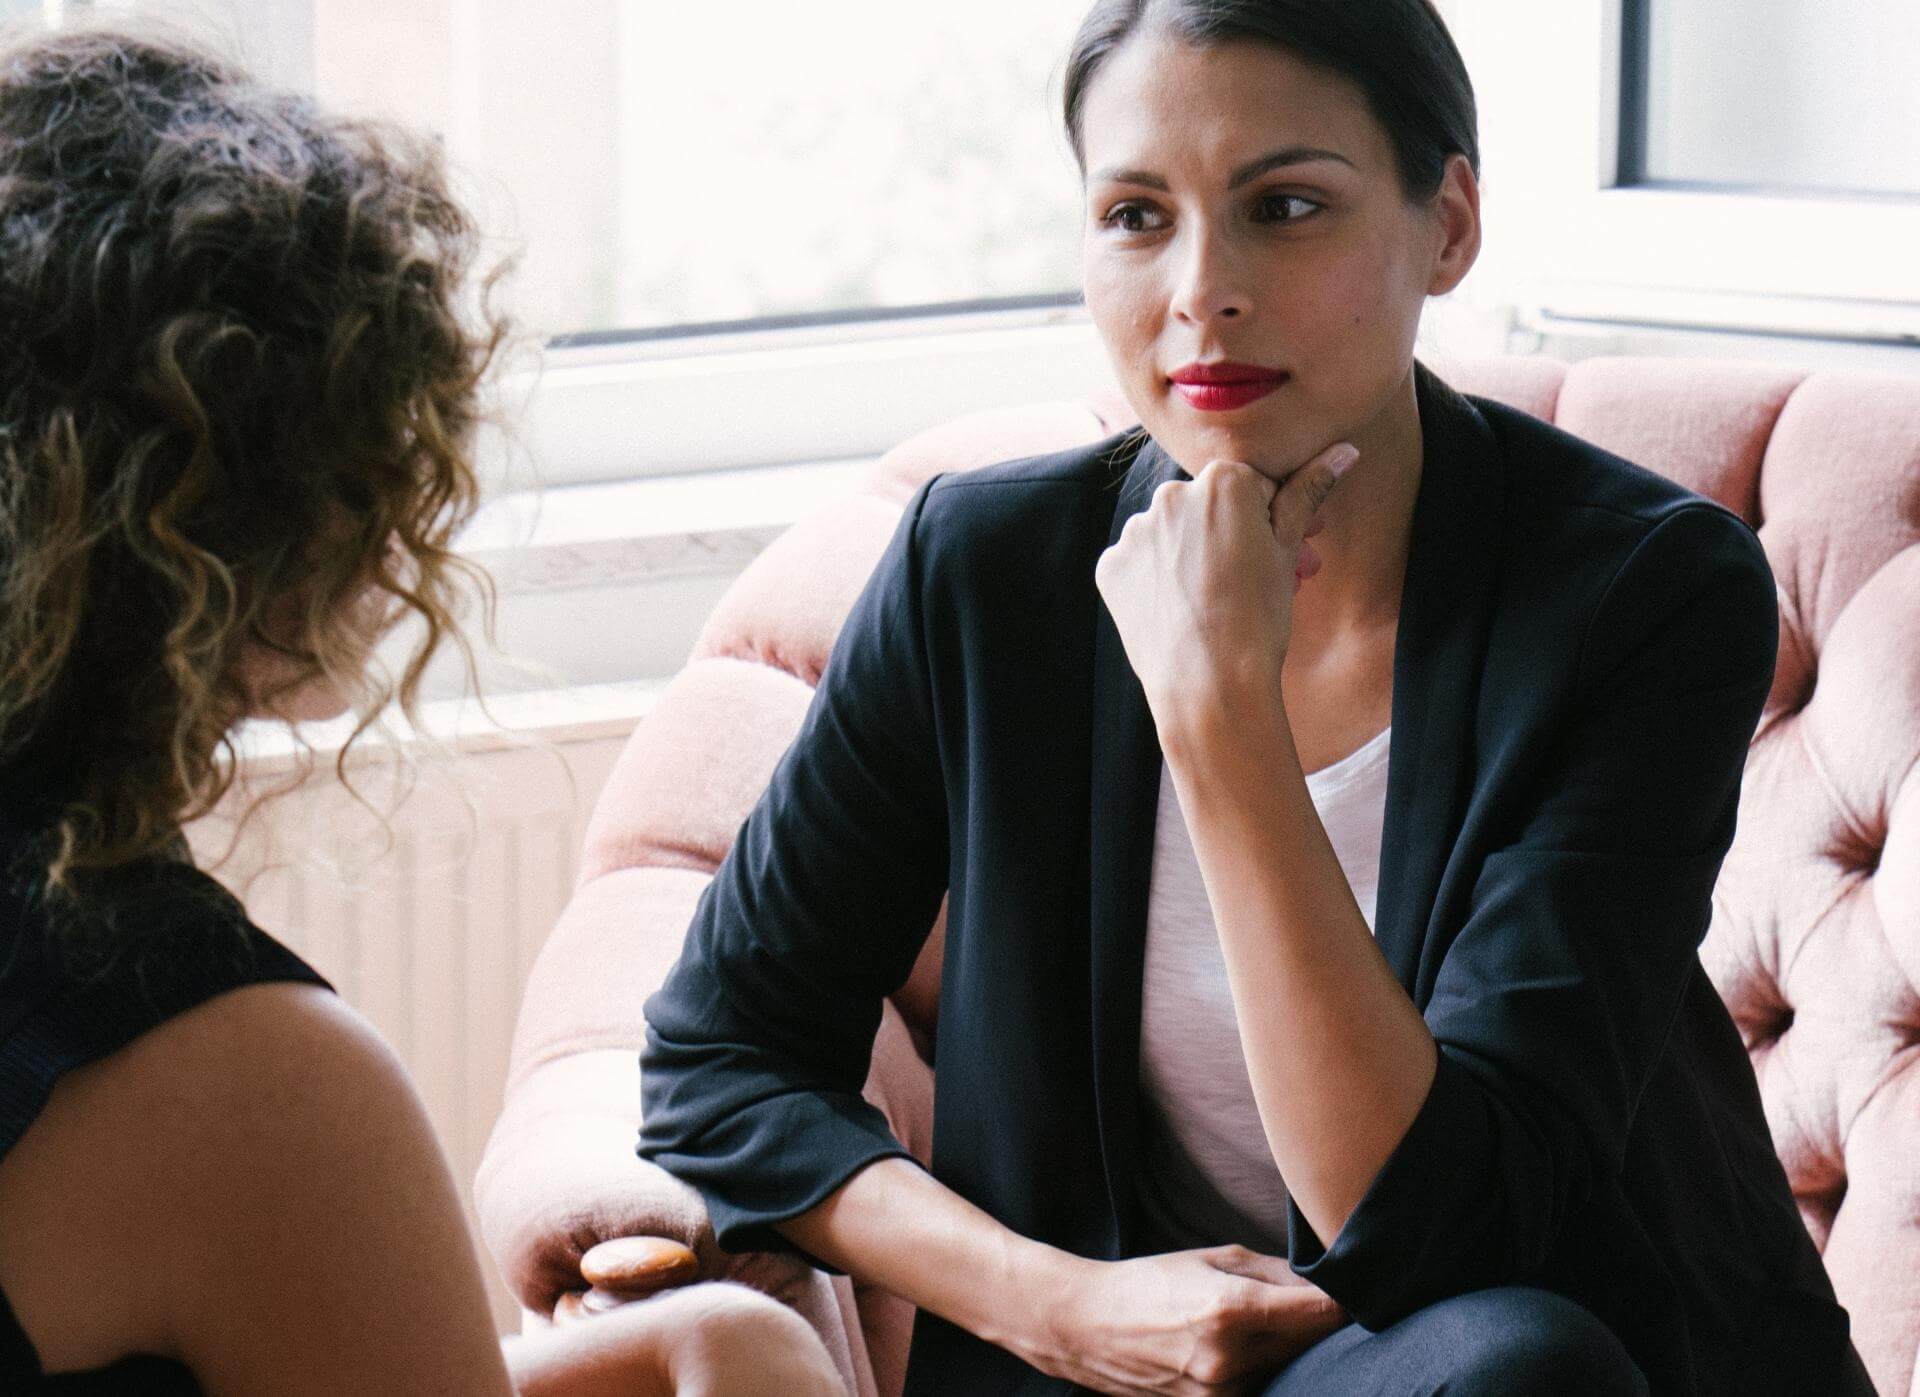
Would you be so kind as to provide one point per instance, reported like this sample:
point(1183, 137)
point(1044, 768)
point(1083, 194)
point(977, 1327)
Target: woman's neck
point(1369, 527)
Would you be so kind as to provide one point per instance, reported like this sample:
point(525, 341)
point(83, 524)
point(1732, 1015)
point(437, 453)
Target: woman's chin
point(1195, 445)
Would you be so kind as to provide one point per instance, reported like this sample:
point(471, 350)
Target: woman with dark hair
point(1328, 784)
point(238, 383)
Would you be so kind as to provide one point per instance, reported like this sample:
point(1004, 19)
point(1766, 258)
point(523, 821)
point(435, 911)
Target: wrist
point(1034, 1289)
point(1217, 710)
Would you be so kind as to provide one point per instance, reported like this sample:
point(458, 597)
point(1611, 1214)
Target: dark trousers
point(1513, 1341)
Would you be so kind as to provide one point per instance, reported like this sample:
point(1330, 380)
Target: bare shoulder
point(252, 1187)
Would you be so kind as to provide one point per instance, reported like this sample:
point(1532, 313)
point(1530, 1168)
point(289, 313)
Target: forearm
point(1339, 1058)
point(895, 1226)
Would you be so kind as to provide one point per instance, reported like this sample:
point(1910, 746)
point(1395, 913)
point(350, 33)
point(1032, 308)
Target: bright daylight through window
point(1804, 99)
point(664, 165)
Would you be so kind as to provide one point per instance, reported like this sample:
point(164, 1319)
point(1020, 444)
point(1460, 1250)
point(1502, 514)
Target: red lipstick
point(1224, 386)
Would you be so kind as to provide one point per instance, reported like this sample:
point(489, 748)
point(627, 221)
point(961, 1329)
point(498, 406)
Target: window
point(1783, 98)
point(860, 218)
point(657, 166)
point(1724, 164)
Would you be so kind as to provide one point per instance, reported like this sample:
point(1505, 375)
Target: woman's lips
point(1225, 387)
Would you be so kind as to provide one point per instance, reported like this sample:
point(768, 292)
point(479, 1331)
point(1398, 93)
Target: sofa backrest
point(1815, 941)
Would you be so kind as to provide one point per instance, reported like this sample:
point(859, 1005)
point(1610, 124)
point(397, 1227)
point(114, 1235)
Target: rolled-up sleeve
point(759, 1040)
point(1555, 1001)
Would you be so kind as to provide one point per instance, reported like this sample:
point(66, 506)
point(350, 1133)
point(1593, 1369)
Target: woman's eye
point(1131, 218)
point(1283, 208)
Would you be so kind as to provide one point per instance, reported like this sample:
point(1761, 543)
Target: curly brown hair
point(240, 376)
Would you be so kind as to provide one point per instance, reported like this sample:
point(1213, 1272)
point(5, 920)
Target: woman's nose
point(1210, 284)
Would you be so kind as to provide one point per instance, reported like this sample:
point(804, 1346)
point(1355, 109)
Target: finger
point(600, 1302)
point(1300, 497)
point(1237, 476)
point(1253, 1265)
point(1310, 561)
point(1290, 1320)
point(1317, 527)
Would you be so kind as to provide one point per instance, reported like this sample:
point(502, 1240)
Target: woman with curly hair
point(238, 382)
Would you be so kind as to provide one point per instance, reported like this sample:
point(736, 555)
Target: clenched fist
point(1200, 584)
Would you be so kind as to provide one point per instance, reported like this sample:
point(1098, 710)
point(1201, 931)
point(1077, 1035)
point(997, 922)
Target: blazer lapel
point(1125, 785)
point(1446, 605)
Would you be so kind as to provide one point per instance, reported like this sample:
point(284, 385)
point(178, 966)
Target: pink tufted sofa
point(1815, 943)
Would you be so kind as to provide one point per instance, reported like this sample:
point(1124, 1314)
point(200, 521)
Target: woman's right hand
point(1183, 1324)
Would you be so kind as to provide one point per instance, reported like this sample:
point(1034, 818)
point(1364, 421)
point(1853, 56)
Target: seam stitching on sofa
point(1559, 389)
point(1766, 445)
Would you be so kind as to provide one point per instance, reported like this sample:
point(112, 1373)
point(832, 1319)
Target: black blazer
point(1583, 652)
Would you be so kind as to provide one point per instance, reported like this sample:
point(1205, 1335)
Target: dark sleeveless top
point(176, 939)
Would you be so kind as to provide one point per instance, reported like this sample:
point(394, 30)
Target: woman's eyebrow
point(1273, 160)
point(1290, 155)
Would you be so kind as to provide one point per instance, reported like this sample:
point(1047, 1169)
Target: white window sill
point(645, 530)
point(583, 713)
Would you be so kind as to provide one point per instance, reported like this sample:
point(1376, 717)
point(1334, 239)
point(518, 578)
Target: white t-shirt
point(1208, 1175)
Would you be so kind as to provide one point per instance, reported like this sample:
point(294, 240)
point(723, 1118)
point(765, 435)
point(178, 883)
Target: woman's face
point(1251, 260)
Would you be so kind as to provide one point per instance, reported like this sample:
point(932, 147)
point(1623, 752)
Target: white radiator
point(431, 936)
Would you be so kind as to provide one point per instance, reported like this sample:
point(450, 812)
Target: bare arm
point(895, 1225)
point(1339, 1076)
point(1191, 1322)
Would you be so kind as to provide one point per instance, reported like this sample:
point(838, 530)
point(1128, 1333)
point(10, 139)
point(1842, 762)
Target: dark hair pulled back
point(1397, 52)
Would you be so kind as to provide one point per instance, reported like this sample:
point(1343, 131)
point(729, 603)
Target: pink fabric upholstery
point(1815, 943)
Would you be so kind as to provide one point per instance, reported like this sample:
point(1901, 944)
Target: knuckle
point(1211, 1366)
point(1219, 1314)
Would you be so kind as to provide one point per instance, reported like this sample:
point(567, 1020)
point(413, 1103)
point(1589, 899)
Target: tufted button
point(1760, 1013)
point(1906, 1020)
point(1858, 852)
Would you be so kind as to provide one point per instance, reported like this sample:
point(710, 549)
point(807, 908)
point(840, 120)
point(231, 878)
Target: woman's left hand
point(1200, 583)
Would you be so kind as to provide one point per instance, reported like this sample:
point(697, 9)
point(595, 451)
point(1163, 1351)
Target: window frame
point(1597, 247)
point(602, 408)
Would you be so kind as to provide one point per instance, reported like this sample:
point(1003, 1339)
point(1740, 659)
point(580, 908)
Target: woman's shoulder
point(1558, 480)
point(1619, 551)
point(1046, 511)
point(266, 1153)
point(1035, 488)
point(80, 982)
point(208, 1152)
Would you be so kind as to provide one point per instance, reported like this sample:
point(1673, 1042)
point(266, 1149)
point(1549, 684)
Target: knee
point(1522, 1342)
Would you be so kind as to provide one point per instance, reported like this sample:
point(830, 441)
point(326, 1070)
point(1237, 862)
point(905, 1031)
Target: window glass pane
point(660, 164)
point(1783, 94)
point(654, 164)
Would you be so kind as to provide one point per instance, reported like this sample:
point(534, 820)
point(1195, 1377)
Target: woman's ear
point(1456, 213)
